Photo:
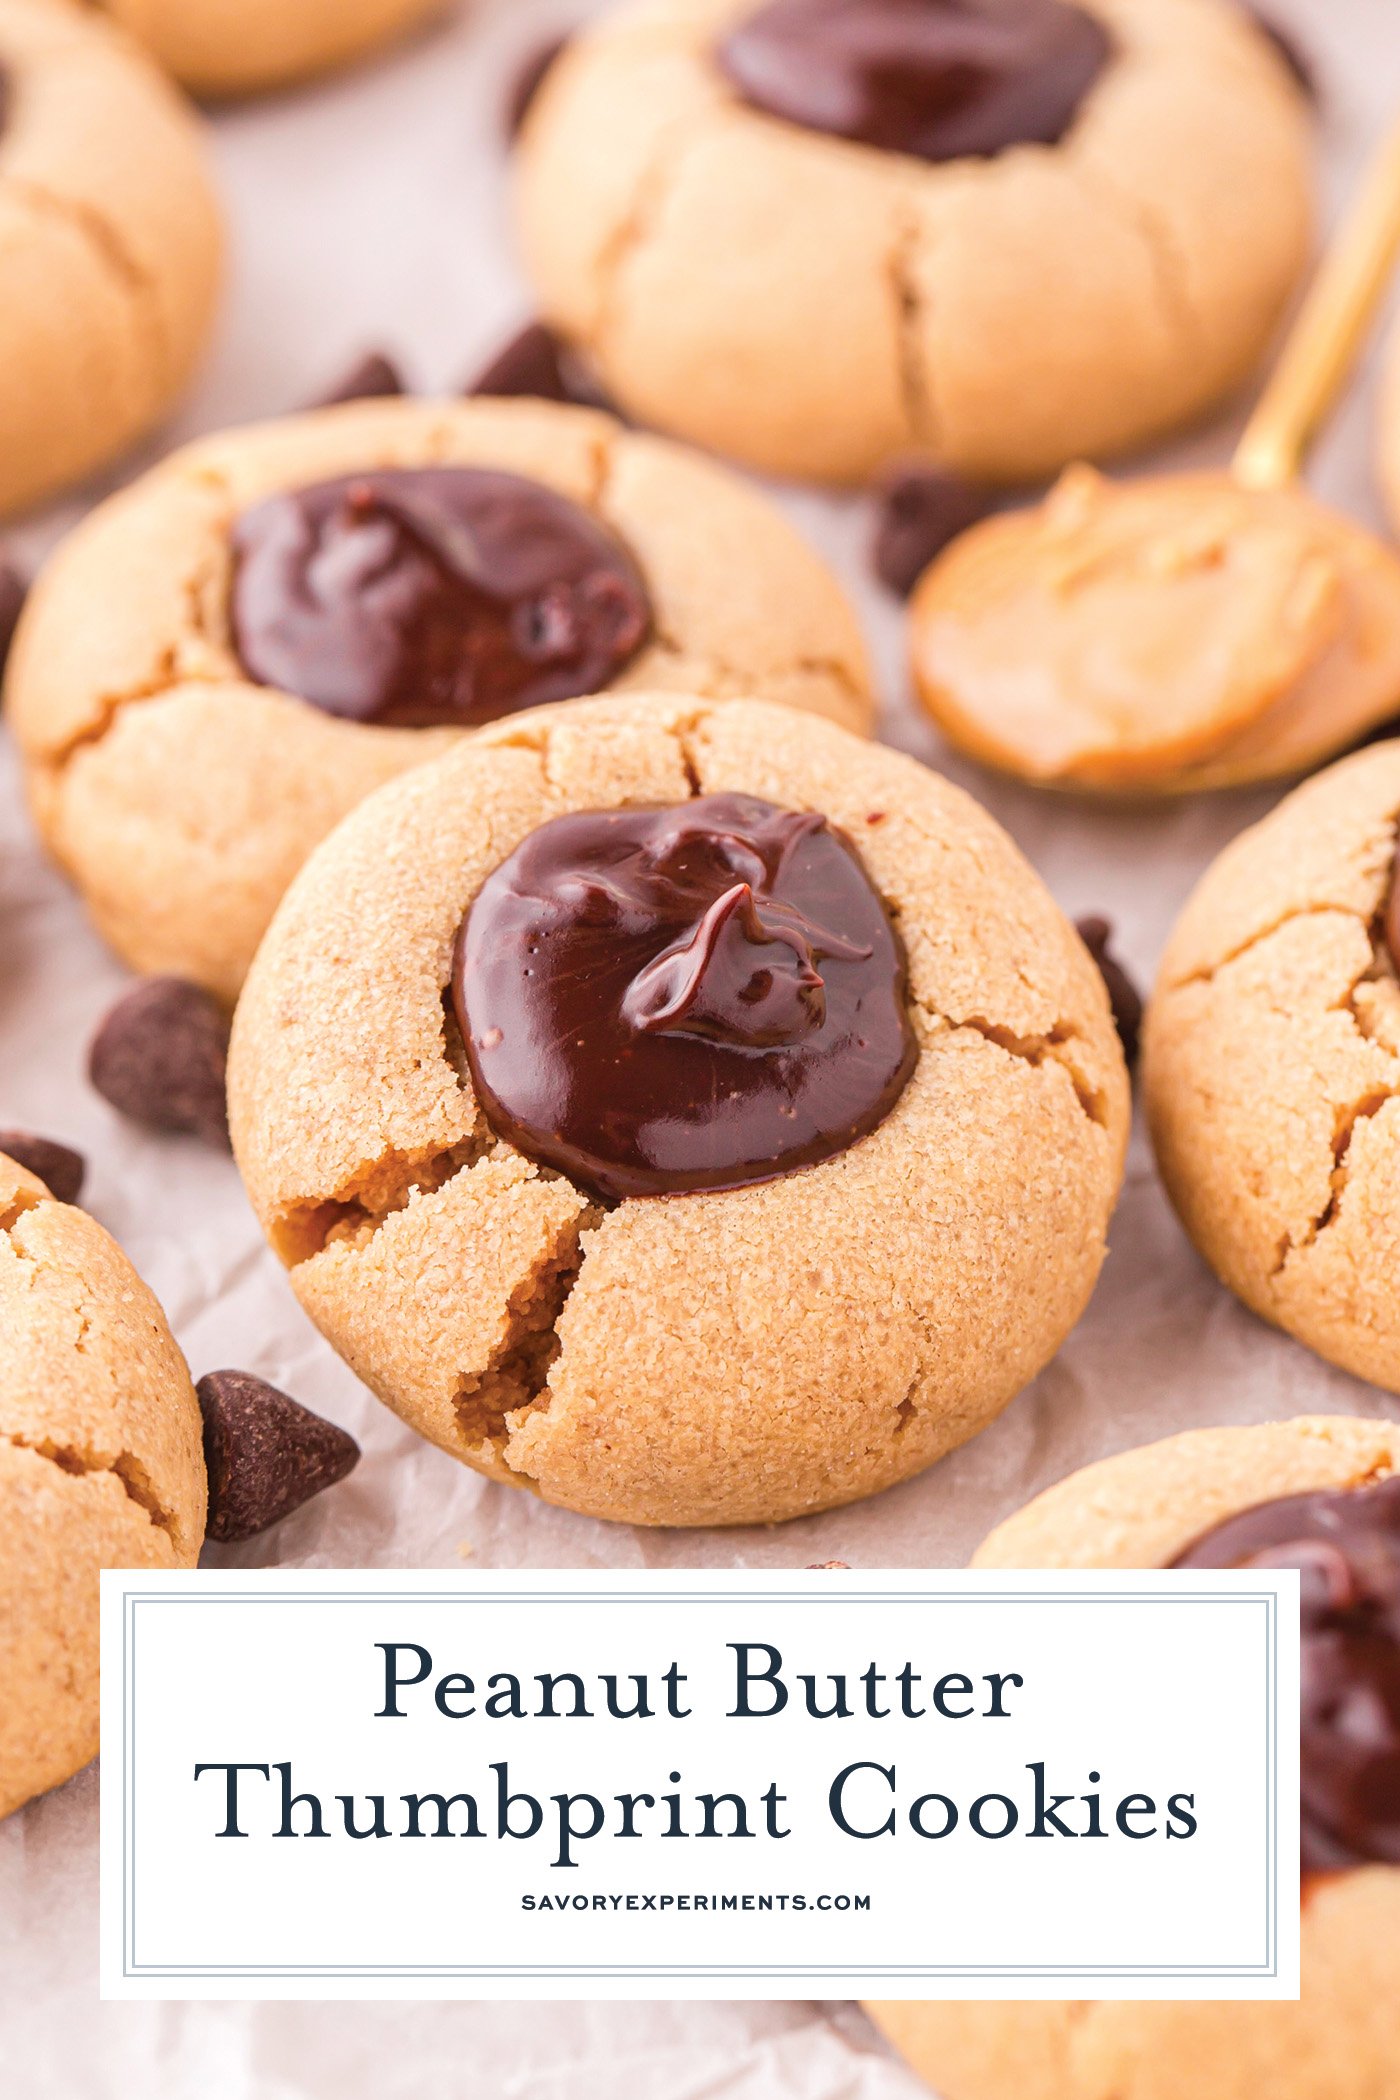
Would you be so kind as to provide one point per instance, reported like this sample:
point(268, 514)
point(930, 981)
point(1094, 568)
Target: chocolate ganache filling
point(1347, 1546)
point(938, 79)
point(419, 595)
point(690, 997)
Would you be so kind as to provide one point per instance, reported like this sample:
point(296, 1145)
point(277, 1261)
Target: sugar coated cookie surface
point(101, 1466)
point(232, 47)
point(1043, 233)
point(109, 246)
point(1272, 1066)
point(884, 1249)
point(1341, 2040)
point(407, 569)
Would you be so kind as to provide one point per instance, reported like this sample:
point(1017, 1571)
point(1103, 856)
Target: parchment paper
point(371, 212)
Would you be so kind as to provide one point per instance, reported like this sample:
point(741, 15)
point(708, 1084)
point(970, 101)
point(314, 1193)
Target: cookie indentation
point(425, 595)
point(938, 79)
point(1347, 1548)
point(697, 996)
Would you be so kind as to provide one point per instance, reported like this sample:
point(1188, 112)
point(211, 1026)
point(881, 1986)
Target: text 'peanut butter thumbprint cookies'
point(101, 1466)
point(1272, 1065)
point(234, 47)
point(109, 246)
point(682, 1109)
point(1322, 1496)
point(821, 234)
point(226, 657)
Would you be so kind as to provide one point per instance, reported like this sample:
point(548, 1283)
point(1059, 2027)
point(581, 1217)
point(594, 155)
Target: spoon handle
point(1332, 325)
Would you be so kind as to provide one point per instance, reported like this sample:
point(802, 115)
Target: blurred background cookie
point(233, 47)
point(109, 246)
point(685, 1110)
point(224, 658)
point(101, 1466)
point(1272, 1066)
point(1322, 1495)
point(818, 236)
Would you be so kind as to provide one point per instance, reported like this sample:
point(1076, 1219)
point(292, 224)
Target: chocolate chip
point(59, 1168)
point(919, 510)
point(527, 83)
point(159, 1057)
point(1288, 49)
point(265, 1454)
point(13, 592)
point(537, 363)
point(1123, 995)
point(372, 377)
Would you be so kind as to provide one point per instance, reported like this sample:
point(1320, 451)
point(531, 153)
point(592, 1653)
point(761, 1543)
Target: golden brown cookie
point(815, 304)
point(109, 246)
point(234, 47)
point(101, 1466)
point(1341, 2040)
point(181, 794)
point(1159, 636)
point(1272, 1063)
point(726, 1356)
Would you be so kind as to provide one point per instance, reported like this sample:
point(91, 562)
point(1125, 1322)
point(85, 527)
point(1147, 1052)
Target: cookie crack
point(685, 735)
point(915, 379)
point(1348, 1122)
point(377, 1190)
point(715, 677)
point(1166, 261)
point(491, 1404)
point(123, 1467)
point(1052, 1046)
point(170, 670)
point(604, 463)
point(21, 1201)
point(104, 240)
point(1208, 972)
point(1055, 1047)
point(635, 228)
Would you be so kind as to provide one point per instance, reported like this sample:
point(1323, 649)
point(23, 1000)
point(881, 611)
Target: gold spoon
point(1187, 630)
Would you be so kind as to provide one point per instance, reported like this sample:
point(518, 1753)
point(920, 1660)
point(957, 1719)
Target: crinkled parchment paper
point(372, 211)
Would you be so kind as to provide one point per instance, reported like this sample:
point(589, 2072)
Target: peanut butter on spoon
point(1184, 631)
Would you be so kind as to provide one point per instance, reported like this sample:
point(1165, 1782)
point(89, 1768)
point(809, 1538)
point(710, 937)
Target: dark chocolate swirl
point(1347, 1546)
point(937, 79)
point(690, 997)
point(420, 595)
